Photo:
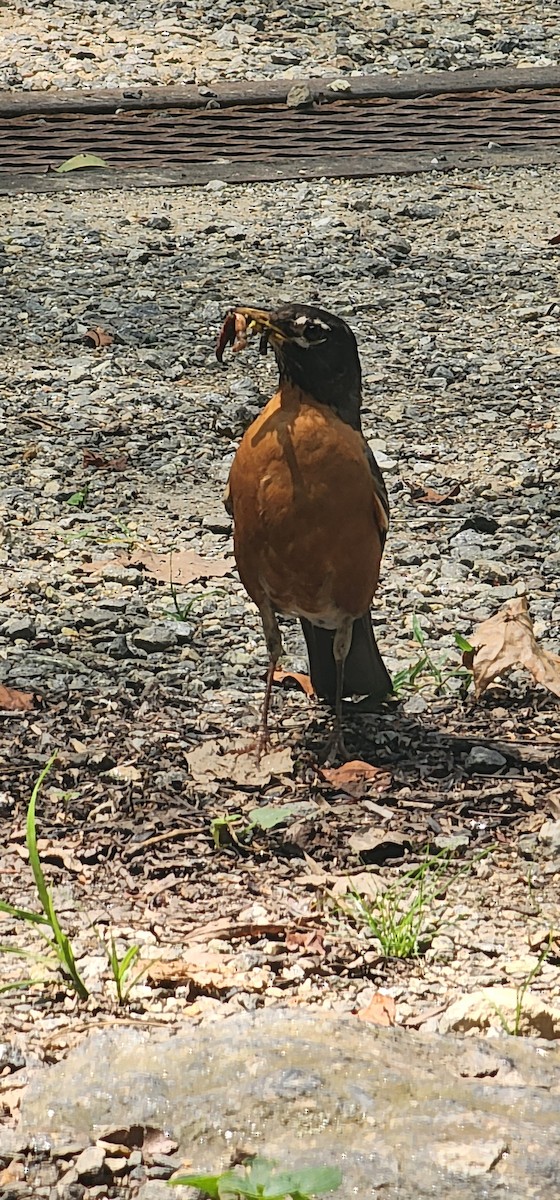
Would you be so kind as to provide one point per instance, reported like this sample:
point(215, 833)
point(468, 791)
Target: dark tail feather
point(365, 673)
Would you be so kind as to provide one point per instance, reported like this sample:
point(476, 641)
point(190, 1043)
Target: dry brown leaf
point(310, 940)
point(364, 883)
point(381, 1010)
point(97, 336)
point(507, 640)
point(428, 495)
point(124, 773)
point(55, 854)
point(91, 458)
point(357, 777)
point(207, 971)
point(13, 701)
point(236, 761)
point(233, 929)
point(297, 677)
point(181, 567)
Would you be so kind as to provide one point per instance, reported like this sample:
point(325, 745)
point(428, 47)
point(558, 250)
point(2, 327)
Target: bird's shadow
point(433, 748)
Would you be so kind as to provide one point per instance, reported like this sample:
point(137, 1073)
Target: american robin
point(309, 504)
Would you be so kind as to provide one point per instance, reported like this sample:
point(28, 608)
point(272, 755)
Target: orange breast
point(306, 515)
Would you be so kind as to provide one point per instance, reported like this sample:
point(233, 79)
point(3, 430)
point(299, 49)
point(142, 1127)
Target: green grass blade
point(66, 956)
point(61, 941)
point(31, 840)
point(20, 985)
point(205, 1183)
point(418, 631)
point(128, 959)
point(22, 914)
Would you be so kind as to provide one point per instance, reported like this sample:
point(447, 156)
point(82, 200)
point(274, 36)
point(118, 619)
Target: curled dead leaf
point(377, 846)
point(507, 640)
point(11, 700)
point(183, 566)
point(97, 336)
point(428, 495)
point(124, 773)
point(381, 1010)
point(357, 777)
point(297, 677)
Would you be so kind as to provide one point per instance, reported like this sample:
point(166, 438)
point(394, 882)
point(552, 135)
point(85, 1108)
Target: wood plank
point(405, 85)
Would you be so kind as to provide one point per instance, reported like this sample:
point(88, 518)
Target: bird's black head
point(318, 352)
point(314, 350)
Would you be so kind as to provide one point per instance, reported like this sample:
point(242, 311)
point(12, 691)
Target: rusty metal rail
point(246, 131)
point(175, 137)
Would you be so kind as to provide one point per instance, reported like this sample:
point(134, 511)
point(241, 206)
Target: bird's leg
point(275, 650)
point(335, 747)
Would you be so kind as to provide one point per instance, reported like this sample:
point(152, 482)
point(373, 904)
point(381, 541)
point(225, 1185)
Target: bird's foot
point(262, 745)
point(335, 748)
point(257, 746)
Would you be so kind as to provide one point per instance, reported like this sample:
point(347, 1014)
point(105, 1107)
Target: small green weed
point(78, 498)
point(436, 673)
point(121, 967)
point(124, 536)
point(259, 1180)
point(58, 941)
point(182, 610)
point(60, 954)
point(236, 828)
point(515, 1029)
point(228, 829)
point(401, 918)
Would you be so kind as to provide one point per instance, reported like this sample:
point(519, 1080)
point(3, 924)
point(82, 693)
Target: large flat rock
point(404, 1115)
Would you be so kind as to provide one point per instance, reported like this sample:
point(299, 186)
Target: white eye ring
point(304, 322)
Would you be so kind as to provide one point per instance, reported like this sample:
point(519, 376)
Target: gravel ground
point(62, 44)
point(447, 285)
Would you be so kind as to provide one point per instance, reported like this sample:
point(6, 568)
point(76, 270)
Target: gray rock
point(90, 1164)
point(481, 760)
point(217, 523)
point(549, 835)
point(158, 222)
point(415, 705)
point(96, 616)
point(441, 949)
point(11, 1058)
point(299, 96)
point(422, 211)
point(20, 627)
point(156, 639)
